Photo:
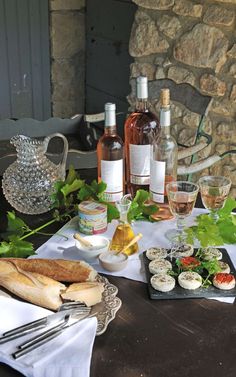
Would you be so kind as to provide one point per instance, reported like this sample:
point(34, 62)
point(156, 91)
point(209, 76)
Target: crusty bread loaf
point(90, 293)
point(32, 287)
point(57, 269)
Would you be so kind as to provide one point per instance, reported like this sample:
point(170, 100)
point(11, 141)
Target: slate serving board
point(181, 293)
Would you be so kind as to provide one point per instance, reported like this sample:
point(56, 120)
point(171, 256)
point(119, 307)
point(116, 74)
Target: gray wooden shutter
point(24, 59)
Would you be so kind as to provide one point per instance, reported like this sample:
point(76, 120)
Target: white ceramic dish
point(111, 261)
point(100, 245)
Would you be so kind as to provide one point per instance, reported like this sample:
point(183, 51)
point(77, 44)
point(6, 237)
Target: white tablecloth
point(62, 245)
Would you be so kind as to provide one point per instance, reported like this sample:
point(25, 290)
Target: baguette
point(57, 269)
point(30, 286)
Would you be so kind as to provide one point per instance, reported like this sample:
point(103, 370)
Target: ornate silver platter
point(107, 308)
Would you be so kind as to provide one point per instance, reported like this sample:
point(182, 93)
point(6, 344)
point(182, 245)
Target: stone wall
point(192, 42)
point(67, 32)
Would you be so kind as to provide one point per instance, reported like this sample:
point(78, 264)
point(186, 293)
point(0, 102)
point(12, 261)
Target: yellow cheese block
point(89, 292)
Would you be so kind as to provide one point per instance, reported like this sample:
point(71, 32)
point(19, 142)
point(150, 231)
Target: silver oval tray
point(107, 308)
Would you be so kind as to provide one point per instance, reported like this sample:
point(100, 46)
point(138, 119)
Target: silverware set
point(67, 315)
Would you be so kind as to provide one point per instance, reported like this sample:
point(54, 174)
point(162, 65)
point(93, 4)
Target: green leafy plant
point(65, 200)
point(211, 233)
point(95, 192)
point(14, 244)
point(140, 209)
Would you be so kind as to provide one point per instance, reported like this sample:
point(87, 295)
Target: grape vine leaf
point(15, 226)
point(211, 233)
point(140, 209)
point(16, 248)
point(94, 191)
point(63, 190)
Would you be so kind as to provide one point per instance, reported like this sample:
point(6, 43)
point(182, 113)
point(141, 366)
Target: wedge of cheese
point(89, 292)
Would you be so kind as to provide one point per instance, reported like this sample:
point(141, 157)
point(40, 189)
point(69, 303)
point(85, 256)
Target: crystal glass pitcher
point(124, 232)
point(29, 182)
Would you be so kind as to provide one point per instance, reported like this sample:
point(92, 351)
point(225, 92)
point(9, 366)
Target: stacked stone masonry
point(192, 42)
point(67, 29)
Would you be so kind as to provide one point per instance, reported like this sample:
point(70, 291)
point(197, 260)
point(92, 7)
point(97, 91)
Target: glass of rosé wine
point(214, 191)
point(182, 197)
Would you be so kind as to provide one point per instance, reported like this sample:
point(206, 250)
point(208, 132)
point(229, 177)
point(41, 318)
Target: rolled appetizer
point(156, 253)
point(159, 266)
point(162, 282)
point(212, 253)
point(184, 251)
point(224, 267)
point(224, 281)
point(190, 280)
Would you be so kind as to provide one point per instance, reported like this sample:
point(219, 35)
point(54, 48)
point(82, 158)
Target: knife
point(51, 319)
point(39, 340)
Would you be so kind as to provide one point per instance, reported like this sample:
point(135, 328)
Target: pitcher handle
point(62, 164)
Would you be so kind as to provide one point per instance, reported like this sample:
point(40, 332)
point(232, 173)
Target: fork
point(48, 335)
point(59, 316)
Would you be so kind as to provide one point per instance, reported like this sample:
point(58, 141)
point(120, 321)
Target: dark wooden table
point(172, 338)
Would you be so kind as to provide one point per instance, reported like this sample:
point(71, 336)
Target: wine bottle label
point(165, 118)
point(140, 164)
point(112, 175)
point(157, 180)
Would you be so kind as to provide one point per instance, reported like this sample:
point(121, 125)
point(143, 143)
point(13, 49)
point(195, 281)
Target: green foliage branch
point(65, 198)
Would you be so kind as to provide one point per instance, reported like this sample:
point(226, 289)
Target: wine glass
point(182, 197)
point(214, 191)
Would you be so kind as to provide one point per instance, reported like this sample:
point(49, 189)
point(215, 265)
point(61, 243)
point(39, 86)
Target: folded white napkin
point(67, 355)
point(62, 245)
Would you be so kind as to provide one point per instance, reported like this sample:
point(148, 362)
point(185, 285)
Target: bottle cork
point(165, 97)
